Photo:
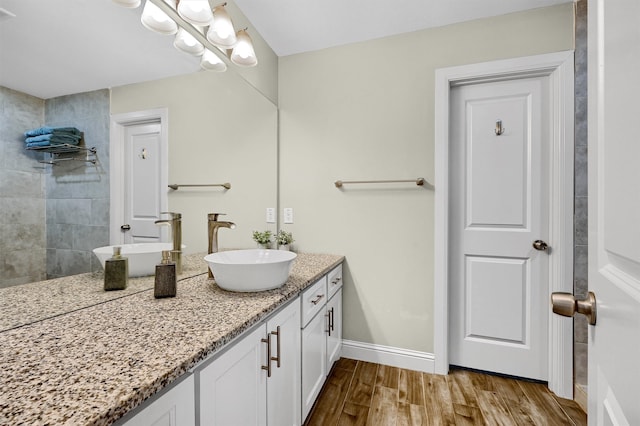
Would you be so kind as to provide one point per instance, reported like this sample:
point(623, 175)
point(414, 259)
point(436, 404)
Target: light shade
point(221, 32)
point(131, 4)
point(196, 12)
point(243, 53)
point(211, 62)
point(187, 43)
point(156, 20)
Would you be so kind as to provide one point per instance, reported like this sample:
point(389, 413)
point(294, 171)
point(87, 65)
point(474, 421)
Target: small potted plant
point(284, 240)
point(263, 239)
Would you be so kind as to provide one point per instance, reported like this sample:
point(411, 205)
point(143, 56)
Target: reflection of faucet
point(176, 233)
point(214, 225)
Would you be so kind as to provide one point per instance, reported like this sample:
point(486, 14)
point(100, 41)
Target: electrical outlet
point(271, 215)
point(288, 215)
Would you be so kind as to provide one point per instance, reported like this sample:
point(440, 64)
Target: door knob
point(565, 304)
point(125, 228)
point(540, 245)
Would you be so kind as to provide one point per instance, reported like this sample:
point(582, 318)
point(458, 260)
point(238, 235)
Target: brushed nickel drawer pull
point(277, 357)
point(317, 299)
point(268, 366)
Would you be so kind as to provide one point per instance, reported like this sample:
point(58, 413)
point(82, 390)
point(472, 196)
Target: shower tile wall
point(22, 195)
point(77, 192)
point(580, 207)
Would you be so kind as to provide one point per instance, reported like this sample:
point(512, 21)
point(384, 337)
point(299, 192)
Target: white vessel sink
point(143, 257)
point(251, 270)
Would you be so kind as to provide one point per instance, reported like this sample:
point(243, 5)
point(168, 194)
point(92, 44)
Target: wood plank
point(328, 406)
point(346, 364)
point(364, 379)
point(493, 408)
point(411, 415)
point(353, 415)
point(545, 405)
point(384, 407)
point(468, 416)
point(410, 386)
point(461, 389)
point(481, 381)
point(573, 410)
point(388, 376)
point(519, 406)
point(438, 400)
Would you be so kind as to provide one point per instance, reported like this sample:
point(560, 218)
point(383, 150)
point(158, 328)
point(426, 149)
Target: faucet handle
point(214, 216)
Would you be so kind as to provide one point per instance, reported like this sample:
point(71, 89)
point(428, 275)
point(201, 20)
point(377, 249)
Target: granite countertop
point(93, 365)
point(28, 303)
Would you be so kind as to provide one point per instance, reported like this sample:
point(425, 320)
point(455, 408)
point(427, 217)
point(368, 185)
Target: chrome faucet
point(176, 236)
point(214, 225)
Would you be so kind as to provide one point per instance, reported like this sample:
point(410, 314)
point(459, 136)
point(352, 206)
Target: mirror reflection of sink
point(143, 257)
point(251, 270)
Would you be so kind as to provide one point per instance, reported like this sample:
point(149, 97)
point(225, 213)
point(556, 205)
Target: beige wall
point(366, 111)
point(220, 130)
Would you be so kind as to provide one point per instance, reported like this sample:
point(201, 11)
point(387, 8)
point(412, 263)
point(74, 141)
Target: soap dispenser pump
point(166, 279)
point(116, 271)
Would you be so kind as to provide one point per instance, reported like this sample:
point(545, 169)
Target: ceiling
point(58, 47)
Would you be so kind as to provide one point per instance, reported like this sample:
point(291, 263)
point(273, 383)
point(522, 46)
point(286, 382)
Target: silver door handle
point(565, 304)
point(125, 228)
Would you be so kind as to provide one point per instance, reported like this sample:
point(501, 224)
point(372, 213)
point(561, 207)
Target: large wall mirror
point(221, 128)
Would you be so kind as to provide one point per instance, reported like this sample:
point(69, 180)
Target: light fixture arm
point(173, 14)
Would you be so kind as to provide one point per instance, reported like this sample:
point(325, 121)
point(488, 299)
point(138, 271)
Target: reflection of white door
point(614, 211)
point(499, 207)
point(143, 168)
point(139, 175)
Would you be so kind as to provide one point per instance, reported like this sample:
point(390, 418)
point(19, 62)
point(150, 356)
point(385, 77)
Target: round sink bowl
point(142, 257)
point(250, 270)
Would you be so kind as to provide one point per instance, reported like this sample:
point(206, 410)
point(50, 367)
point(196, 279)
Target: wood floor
point(362, 393)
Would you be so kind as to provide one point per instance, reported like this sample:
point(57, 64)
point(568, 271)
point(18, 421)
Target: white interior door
point(143, 177)
point(499, 206)
point(614, 211)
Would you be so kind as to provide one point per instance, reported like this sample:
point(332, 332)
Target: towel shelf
point(418, 181)
point(58, 152)
point(225, 185)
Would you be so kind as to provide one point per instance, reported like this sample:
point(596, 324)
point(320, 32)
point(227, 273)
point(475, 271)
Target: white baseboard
point(388, 355)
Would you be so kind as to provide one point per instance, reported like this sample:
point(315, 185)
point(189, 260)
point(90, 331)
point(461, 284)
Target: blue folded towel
point(38, 144)
point(39, 131)
point(54, 139)
point(46, 130)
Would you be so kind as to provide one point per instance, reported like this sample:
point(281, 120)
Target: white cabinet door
point(314, 360)
point(175, 408)
point(283, 387)
point(233, 387)
point(334, 329)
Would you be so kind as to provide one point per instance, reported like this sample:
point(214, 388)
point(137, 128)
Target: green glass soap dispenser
point(116, 271)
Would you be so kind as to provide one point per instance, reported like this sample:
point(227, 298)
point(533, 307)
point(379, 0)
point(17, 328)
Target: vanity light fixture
point(196, 12)
point(154, 19)
point(243, 53)
point(191, 20)
point(211, 62)
point(221, 32)
point(187, 43)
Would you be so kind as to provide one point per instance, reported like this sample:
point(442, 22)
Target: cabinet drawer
point(313, 300)
point(334, 280)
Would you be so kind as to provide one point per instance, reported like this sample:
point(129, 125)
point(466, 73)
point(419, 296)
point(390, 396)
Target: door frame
point(559, 68)
point(119, 123)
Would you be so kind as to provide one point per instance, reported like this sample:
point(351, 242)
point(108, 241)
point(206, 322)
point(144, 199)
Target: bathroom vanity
point(192, 359)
